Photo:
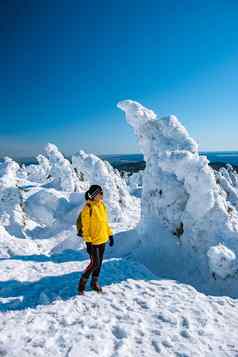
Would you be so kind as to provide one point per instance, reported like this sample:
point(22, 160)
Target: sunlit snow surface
point(137, 315)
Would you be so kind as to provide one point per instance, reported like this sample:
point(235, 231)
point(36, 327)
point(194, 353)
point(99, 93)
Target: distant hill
point(132, 167)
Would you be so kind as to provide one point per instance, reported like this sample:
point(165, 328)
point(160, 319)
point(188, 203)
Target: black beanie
point(93, 191)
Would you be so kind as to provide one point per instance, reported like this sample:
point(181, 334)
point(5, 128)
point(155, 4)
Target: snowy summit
point(170, 281)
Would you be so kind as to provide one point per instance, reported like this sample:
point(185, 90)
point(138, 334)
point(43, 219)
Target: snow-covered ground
point(171, 279)
point(138, 314)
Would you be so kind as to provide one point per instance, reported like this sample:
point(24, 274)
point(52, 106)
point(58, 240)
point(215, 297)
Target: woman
point(96, 232)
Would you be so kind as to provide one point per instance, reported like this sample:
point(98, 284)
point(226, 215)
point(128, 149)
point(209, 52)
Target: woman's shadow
point(17, 295)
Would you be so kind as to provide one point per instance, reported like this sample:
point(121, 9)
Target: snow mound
point(46, 206)
point(122, 206)
point(222, 261)
point(73, 242)
point(12, 246)
point(180, 193)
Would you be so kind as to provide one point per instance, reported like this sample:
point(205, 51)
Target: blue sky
point(65, 65)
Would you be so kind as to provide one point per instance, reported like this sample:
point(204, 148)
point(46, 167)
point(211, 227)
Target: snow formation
point(12, 246)
point(38, 172)
point(134, 183)
point(61, 171)
point(227, 179)
point(188, 231)
point(11, 201)
point(122, 206)
point(180, 193)
point(39, 201)
point(222, 261)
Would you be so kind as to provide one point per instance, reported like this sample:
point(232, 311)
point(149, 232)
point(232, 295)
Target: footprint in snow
point(142, 303)
point(167, 318)
point(185, 333)
point(119, 332)
point(117, 308)
point(156, 346)
point(185, 322)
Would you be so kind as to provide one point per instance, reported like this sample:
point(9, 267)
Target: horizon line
point(101, 155)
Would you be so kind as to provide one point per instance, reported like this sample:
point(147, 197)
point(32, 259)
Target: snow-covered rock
point(180, 192)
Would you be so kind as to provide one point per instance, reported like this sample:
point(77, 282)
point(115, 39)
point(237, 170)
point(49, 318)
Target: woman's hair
point(92, 192)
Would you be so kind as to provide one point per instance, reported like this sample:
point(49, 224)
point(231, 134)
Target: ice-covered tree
point(121, 204)
point(61, 171)
point(180, 192)
point(11, 213)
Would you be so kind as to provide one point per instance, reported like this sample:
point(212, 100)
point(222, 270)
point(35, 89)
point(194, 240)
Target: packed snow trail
point(138, 314)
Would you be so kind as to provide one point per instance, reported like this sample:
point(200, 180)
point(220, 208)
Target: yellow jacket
point(95, 228)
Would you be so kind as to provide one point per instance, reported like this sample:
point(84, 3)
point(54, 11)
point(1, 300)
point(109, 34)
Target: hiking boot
point(81, 286)
point(95, 285)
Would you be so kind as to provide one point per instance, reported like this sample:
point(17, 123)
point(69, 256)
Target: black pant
point(96, 258)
